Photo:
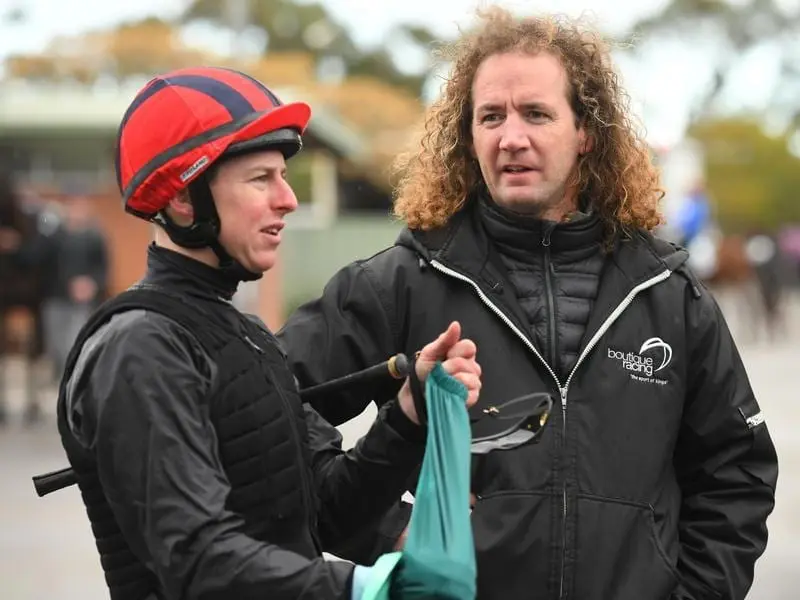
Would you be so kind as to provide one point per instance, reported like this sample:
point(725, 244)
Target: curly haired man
point(530, 202)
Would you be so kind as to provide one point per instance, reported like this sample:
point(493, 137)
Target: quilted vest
point(258, 417)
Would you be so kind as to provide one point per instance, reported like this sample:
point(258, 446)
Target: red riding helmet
point(183, 121)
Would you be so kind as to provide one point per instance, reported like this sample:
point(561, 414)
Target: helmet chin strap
point(204, 231)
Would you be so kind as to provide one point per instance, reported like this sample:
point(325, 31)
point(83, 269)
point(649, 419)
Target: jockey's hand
point(458, 360)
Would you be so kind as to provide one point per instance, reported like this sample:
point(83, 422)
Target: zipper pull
point(548, 230)
point(563, 391)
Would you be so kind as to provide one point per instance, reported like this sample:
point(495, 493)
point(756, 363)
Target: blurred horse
point(24, 268)
point(733, 267)
point(749, 285)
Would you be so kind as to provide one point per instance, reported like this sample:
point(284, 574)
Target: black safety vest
point(258, 418)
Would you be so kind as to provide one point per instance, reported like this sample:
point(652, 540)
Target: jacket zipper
point(551, 302)
point(553, 356)
point(500, 314)
point(562, 389)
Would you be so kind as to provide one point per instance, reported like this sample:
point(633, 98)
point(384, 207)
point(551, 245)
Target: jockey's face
point(252, 197)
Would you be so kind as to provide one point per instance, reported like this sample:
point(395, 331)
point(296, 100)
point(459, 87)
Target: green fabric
point(438, 560)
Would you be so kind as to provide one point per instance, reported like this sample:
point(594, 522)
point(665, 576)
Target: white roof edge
point(31, 106)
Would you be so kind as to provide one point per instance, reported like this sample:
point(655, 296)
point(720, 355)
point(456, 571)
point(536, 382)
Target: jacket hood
point(463, 238)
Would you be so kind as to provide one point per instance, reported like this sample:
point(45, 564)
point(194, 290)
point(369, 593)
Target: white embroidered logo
point(654, 355)
point(658, 343)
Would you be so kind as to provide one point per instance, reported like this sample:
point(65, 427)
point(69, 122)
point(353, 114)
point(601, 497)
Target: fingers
point(464, 349)
point(471, 381)
point(457, 365)
point(457, 357)
point(468, 372)
point(439, 348)
point(449, 345)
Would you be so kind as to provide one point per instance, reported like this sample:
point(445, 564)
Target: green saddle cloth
point(438, 560)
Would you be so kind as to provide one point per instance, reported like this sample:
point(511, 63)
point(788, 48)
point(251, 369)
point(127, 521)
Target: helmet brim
point(295, 115)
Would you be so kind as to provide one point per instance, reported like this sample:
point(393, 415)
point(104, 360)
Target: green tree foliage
point(753, 177)
point(309, 27)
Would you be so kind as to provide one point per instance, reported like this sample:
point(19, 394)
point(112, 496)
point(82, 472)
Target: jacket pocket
point(513, 539)
point(618, 553)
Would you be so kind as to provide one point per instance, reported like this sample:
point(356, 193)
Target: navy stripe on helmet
point(236, 104)
point(157, 85)
point(272, 97)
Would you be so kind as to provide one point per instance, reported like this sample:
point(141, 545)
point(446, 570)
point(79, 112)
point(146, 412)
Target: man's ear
point(180, 209)
point(585, 141)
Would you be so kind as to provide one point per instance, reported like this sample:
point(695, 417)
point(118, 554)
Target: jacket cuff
point(361, 575)
point(397, 420)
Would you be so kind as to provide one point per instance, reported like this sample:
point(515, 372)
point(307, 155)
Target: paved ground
point(46, 552)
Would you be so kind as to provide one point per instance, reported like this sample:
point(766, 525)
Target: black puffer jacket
point(562, 260)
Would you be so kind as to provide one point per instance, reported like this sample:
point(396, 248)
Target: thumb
point(437, 349)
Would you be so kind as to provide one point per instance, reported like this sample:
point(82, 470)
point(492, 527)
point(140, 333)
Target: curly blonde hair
point(617, 175)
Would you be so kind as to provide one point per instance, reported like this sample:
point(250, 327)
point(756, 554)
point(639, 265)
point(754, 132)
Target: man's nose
point(514, 136)
point(285, 200)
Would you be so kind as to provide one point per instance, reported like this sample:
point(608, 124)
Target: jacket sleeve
point(725, 462)
point(349, 328)
point(144, 414)
point(352, 326)
point(357, 488)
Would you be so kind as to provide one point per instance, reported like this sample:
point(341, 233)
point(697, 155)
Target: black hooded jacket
point(655, 475)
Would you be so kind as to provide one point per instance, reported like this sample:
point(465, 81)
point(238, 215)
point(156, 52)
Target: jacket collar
point(527, 238)
point(174, 270)
point(463, 245)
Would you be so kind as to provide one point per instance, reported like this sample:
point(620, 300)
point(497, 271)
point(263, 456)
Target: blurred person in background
point(693, 215)
point(81, 264)
point(26, 253)
point(529, 205)
point(698, 233)
point(789, 244)
point(772, 277)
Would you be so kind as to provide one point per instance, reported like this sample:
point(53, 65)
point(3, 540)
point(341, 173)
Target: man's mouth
point(273, 230)
point(516, 169)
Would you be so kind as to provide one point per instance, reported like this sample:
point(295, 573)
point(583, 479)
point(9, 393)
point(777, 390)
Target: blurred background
point(716, 84)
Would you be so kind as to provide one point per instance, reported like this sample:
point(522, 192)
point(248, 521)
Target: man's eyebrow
point(538, 104)
point(529, 104)
point(487, 106)
point(263, 169)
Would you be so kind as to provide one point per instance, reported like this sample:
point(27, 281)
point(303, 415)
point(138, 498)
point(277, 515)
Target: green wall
point(311, 257)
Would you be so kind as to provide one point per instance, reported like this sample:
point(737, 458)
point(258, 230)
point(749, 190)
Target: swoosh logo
point(656, 342)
